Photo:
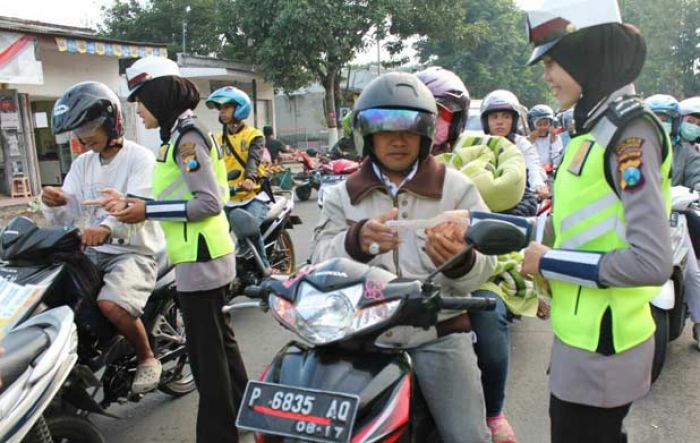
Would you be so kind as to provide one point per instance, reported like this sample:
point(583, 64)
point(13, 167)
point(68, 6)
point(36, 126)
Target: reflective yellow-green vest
point(240, 142)
point(182, 238)
point(589, 216)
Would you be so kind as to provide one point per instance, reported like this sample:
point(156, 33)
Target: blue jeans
point(258, 209)
point(493, 351)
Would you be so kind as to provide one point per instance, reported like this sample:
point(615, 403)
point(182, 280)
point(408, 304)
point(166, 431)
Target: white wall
point(62, 70)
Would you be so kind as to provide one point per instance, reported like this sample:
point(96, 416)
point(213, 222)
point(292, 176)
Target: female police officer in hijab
point(611, 249)
point(190, 187)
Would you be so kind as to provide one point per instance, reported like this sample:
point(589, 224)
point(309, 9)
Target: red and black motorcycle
point(338, 385)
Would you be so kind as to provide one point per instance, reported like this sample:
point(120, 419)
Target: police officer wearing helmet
point(394, 123)
point(500, 116)
point(190, 188)
point(125, 254)
point(611, 250)
point(543, 137)
point(243, 147)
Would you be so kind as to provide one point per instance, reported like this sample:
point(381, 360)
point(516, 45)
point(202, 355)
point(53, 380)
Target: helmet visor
point(371, 121)
point(90, 128)
point(451, 102)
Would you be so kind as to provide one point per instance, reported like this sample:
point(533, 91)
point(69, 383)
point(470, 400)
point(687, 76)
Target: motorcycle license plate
point(305, 414)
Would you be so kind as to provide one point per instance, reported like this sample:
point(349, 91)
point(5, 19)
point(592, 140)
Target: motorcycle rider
point(567, 128)
point(686, 160)
point(491, 327)
point(190, 187)
point(452, 99)
point(612, 248)
point(243, 147)
point(499, 116)
point(690, 126)
point(125, 253)
point(394, 119)
point(543, 137)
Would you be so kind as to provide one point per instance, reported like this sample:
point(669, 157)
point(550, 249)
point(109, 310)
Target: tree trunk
point(329, 104)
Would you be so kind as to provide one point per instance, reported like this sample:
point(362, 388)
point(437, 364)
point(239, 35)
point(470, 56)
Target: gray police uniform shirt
point(591, 378)
point(207, 202)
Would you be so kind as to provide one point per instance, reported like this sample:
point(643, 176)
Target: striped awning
point(95, 47)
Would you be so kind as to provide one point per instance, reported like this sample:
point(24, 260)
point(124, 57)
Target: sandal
point(147, 377)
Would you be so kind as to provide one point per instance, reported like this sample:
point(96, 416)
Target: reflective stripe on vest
point(589, 216)
point(182, 238)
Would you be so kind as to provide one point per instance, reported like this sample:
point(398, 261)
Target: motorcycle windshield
point(16, 301)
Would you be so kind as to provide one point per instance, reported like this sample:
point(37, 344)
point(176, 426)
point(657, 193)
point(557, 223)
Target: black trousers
point(577, 423)
point(216, 363)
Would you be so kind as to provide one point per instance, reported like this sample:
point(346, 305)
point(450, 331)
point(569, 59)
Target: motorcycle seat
point(162, 263)
point(21, 347)
point(275, 209)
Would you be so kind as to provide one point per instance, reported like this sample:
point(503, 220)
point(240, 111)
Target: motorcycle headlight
point(324, 317)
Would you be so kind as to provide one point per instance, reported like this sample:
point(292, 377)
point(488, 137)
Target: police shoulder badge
point(188, 154)
point(629, 163)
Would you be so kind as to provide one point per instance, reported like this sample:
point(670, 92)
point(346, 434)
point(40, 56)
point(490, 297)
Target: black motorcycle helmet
point(395, 101)
point(88, 102)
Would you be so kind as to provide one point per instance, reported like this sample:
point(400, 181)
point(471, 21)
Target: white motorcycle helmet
point(499, 100)
point(146, 69)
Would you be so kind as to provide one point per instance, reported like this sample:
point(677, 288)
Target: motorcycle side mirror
point(496, 237)
point(233, 175)
point(490, 237)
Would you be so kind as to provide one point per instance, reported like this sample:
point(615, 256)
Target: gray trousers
point(450, 380)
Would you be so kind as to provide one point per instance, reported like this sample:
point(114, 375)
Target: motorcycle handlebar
point(470, 304)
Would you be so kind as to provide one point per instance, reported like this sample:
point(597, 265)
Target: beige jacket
point(433, 190)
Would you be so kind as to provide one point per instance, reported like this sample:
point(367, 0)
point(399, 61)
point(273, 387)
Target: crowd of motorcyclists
point(608, 159)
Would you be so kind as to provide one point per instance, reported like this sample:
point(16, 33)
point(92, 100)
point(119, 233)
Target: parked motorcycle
point(37, 357)
point(334, 172)
point(669, 308)
point(340, 386)
point(106, 362)
point(308, 179)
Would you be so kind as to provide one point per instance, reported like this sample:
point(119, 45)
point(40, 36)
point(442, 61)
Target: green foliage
point(488, 49)
point(160, 21)
point(672, 32)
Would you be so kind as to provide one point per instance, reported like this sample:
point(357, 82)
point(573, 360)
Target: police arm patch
point(629, 163)
point(188, 154)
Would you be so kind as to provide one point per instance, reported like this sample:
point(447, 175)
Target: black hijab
point(602, 59)
point(166, 98)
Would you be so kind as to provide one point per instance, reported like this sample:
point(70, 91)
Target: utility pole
point(184, 30)
point(379, 56)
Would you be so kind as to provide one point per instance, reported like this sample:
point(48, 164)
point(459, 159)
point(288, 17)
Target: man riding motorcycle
point(394, 119)
point(125, 253)
point(243, 147)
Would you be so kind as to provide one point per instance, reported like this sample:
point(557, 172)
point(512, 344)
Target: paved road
point(669, 414)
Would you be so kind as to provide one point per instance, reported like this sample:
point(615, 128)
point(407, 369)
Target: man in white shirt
point(544, 138)
point(125, 253)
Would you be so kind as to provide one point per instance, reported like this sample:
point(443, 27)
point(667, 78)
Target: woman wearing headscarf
point(611, 250)
point(190, 187)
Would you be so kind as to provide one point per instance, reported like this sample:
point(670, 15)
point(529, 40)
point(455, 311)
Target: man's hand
point(375, 230)
point(444, 241)
point(53, 197)
point(542, 192)
point(531, 259)
point(533, 136)
point(95, 236)
point(111, 200)
point(135, 211)
point(248, 185)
